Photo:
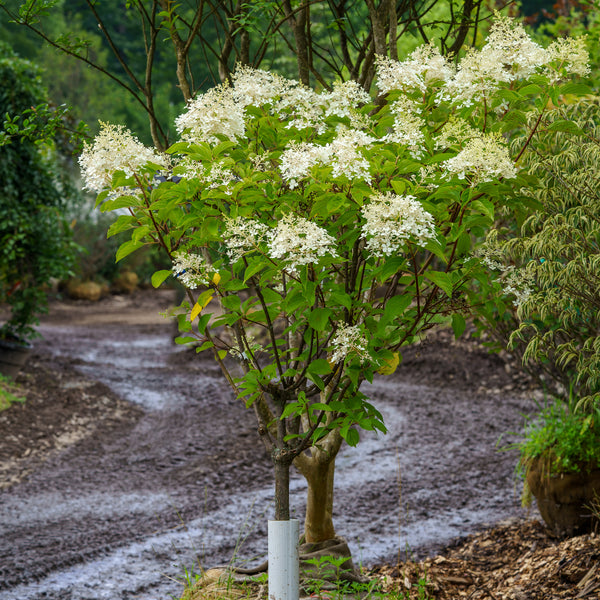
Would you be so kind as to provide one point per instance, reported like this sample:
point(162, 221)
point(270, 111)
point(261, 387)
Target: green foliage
point(35, 241)
point(556, 253)
point(566, 441)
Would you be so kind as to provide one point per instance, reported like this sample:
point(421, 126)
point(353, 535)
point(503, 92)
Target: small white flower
point(300, 242)
point(191, 270)
point(349, 341)
point(114, 149)
point(390, 220)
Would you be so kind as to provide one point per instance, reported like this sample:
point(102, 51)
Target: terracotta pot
point(13, 355)
point(565, 500)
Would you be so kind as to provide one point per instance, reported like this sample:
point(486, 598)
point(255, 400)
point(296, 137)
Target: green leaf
point(318, 318)
point(159, 277)
point(127, 248)
point(396, 305)
point(253, 268)
point(351, 436)
point(566, 127)
point(319, 366)
point(442, 280)
point(458, 325)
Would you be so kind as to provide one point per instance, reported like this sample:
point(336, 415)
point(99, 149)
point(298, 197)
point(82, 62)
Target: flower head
point(407, 126)
point(422, 68)
point(258, 87)
point(217, 112)
point(114, 149)
point(300, 242)
point(192, 270)
point(390, 220)
point(242, 236)
point(349, 341)
point(482, 158)
point(508, 55)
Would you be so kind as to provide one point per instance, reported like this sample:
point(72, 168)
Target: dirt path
point(122, 467)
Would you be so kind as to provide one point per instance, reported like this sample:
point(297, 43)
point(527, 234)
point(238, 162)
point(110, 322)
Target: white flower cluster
point(217, 112)
point(257, 87)
point(407, 126)
point(343, 101)
point(243, 235)
point(482, 158)
point(422, 68)
point(345, 157)
point(342, 154)
point(300, 242)
point(214, 175)
point(391, 219)
point(508, 55)
point(191, 270)
point(570, 53)
point(298, 159)
point(114, 149)
point(349, 340)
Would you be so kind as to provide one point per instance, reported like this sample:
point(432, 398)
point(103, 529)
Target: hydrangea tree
point(317, 233)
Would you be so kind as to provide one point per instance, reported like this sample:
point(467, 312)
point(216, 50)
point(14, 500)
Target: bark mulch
point(515, 561)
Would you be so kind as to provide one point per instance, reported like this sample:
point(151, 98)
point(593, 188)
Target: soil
point(131, 462)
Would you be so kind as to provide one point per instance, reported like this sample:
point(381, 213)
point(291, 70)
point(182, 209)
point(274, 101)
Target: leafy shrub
point(35, 240)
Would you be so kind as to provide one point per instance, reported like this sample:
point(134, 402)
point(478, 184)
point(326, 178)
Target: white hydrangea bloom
point(407, 126)
point(509, 54)
point(300, 242)
point(192, 270)
point(257, 87)
point(345, 157)
point(243, 235)
point(114, 149)
point(422, 68)
point(213, 175)
point(342, 154)
point(391, 219)
point(455, 132)
point(571, 54)
point(344, 99)
point(482, 158)
point(299, 158)
point(215, 112)
point(349, 340)
point(301, 107)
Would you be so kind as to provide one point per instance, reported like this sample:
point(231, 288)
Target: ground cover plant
point(318, 233)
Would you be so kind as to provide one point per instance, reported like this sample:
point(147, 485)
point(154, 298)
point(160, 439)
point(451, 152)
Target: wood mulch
point(516, 561)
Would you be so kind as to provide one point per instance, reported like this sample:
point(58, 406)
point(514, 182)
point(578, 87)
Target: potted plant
point(560, 463)
point(35, 240)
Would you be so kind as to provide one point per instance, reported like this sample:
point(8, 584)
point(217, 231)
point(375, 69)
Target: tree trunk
point(318, 470)
point(282, 485)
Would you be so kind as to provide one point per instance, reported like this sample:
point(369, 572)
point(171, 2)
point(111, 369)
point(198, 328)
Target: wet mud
point(132, 462)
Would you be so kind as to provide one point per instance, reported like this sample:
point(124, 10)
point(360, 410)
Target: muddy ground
point(131, 460)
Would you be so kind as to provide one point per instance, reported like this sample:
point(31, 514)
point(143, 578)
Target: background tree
point(35, 239)
point(148, 45)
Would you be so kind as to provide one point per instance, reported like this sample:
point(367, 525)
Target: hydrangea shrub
point(318, 232)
